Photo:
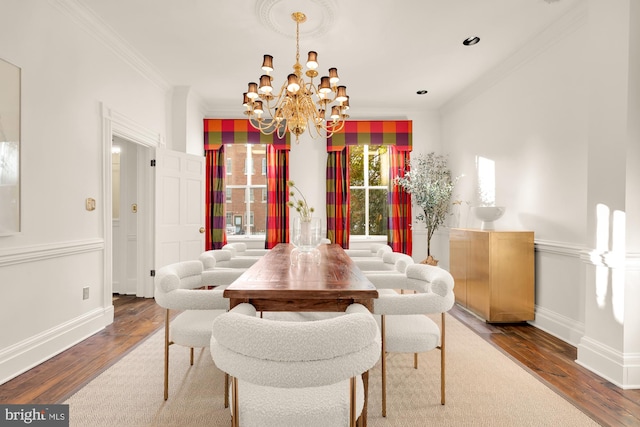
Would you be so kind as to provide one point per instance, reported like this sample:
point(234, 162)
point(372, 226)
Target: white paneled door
point(180, 203)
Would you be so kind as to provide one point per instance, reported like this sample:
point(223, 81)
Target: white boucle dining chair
point(240, 249)
point(387, 262)
point(404, 324)
point(218, 270)
point(178, 286)
point(225, 258)
point(374, 250)
point(288, 373)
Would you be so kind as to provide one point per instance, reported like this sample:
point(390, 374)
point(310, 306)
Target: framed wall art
point(10, 76)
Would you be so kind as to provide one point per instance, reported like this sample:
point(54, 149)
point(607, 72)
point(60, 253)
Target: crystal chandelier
point(299, 103)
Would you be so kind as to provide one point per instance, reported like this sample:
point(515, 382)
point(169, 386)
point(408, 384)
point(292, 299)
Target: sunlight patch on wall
point(602, 243)
point(618, 273)
point(486, 177)
point(610, 255)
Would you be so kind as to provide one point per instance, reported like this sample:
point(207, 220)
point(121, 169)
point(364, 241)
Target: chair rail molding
point(34, 253)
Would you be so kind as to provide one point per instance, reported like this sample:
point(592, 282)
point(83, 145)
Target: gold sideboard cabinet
point(494, 273)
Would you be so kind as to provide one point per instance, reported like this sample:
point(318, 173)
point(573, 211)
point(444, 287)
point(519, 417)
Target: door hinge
point(153, 273)
point(153, 163)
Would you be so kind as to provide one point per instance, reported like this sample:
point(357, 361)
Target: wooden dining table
point(285, 279)
point(327, 280)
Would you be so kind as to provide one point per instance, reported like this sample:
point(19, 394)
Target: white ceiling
point(384, 50)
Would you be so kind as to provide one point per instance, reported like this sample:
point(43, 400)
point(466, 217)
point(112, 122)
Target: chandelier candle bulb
point(292, 83)
point(258, 108)
point(312, 60)
point(325, 86)
point(252, 92)
point(265, 84)
point(342, 94)
point(333, 76)
point(267, 63)
point(299, 103)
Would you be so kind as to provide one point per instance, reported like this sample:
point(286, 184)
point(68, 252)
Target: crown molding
point(94, 25)
point(564, 26)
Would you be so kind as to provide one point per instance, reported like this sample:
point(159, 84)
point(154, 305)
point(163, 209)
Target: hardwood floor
point(548, 358)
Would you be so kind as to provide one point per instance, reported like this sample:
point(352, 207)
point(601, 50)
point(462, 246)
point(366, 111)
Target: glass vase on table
point(306, 237)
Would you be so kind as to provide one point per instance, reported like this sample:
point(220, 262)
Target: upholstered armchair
point(288, 373)
point(179, 287)
point(404, 324)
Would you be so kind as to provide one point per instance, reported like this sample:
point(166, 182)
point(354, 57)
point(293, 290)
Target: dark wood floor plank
point(552, 361)
point(549, 359)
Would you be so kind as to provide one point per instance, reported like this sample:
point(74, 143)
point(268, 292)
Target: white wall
point(530, 116)
point(67, 73)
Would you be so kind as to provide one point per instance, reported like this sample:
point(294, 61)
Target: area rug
point(484, 388)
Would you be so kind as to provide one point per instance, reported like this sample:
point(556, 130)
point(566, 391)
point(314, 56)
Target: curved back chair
point(225, 259)
point(176, 288)
point(295, 373)
point(374, 250)
point(395, 262)
point(214, 271)
point(404, 326)
point(240, 249)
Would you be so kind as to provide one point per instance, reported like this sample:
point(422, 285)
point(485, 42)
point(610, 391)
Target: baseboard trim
point(29, 353)
point(561, 327)
point(621, 369)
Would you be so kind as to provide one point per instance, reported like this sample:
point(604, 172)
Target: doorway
point(124, 207)
point(129, 216)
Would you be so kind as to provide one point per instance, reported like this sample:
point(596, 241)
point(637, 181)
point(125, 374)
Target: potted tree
point(428, 179)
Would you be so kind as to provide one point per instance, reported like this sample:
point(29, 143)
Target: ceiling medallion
point(273, 15)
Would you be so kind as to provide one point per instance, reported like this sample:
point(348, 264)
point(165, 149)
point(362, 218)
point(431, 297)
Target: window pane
point(358, 219)
point(356, 165)
point(235, 155)
point(377, 212)
point(378, 166)
point(245, 188)
point(369, 168)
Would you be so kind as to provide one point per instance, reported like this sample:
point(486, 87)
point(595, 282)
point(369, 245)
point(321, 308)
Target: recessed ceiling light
point(470, 41)
point(421, 92)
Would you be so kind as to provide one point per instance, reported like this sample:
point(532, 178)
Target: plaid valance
point(373, 132)
point(239, 131)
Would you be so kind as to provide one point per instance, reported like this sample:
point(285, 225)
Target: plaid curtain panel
point(277, 197)
point(215, 197)
point(393, 133)
point(218, 133)
point(338, 197)
point(399, 233)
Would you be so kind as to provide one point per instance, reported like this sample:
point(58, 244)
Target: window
point(245, 189)
point(248, 165)
point(369, 174)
